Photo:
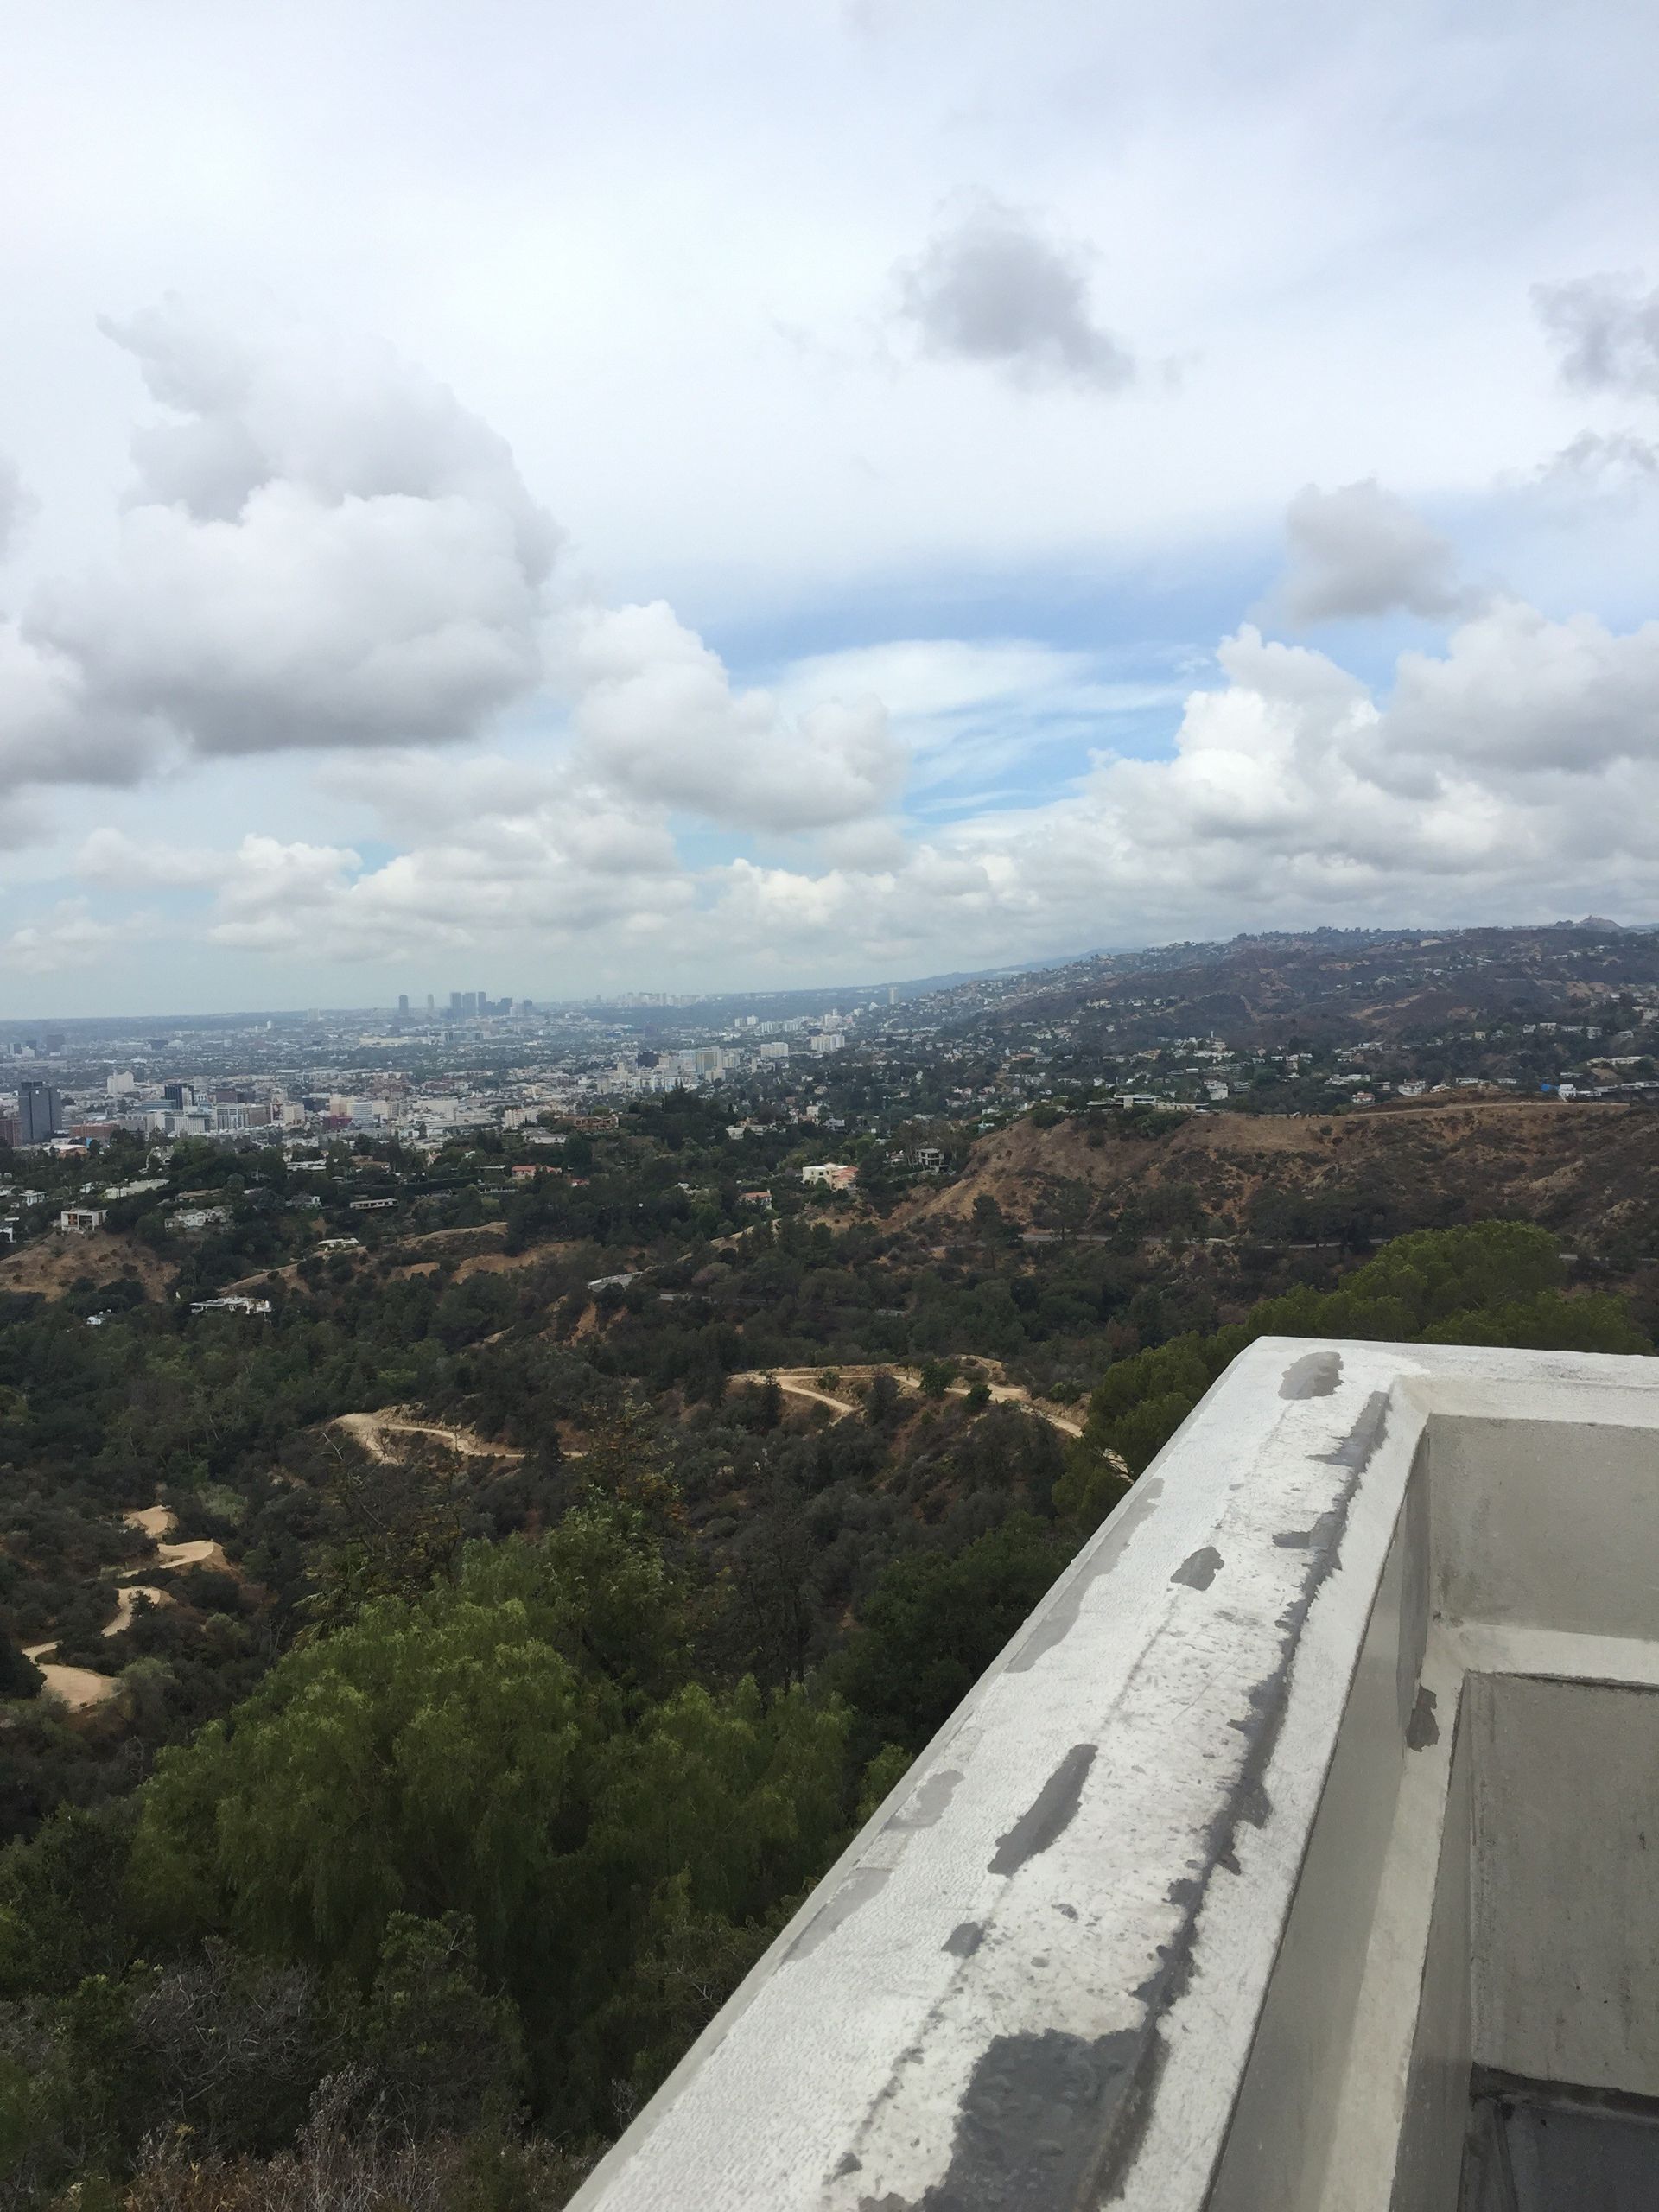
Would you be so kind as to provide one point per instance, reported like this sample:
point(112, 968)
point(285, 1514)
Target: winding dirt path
point(372, 1430)
point(78, 1687)
point(126, 1604)
point(806, 1383)
point(158, 1522)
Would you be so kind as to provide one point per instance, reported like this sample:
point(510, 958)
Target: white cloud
point(68, 936)
point(304, 622)
point(1515, 693)
point(1517, 771)
point(324, 548)
point(989, 287)
point(497, 857)
point(1358, 552)
point(658, 716)
point(110, 858)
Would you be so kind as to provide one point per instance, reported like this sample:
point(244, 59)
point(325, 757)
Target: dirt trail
point(78, 1687)
point(126, 1604)
point(789, 1380)
point(158, 1521)
point(372, 1430)
point(807, 1383)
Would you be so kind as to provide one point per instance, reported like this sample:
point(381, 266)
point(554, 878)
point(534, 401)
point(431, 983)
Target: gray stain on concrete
point(1423, 1729)
point(1316, 1374)
point(853, 1893)
point(964, 1939)
point(1199, 1568)
point(1030, 2125)
point(1048, 1815)
point(1061, 1616)
point(925, 1806)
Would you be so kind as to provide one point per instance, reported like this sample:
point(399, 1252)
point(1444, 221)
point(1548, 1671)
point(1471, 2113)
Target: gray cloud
point(991, 288)
point(17, 505)
point(1359, 550)
point(324, 548)
point(1606, 332)
point(1612, 457)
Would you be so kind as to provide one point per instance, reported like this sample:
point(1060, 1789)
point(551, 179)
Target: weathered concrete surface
point(1164, 1916)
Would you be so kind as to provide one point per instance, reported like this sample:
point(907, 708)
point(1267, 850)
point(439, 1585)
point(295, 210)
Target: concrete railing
point(1328, 1773)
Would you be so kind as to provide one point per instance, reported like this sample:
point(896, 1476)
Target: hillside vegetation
point(519, 1649)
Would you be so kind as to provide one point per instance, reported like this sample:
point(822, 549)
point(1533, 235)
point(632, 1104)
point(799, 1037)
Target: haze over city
point(725, 498)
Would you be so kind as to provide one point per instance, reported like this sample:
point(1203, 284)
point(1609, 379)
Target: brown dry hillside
point(52, 1263)
point(1574, 1167)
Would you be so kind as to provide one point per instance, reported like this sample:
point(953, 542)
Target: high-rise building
point(40, 1111)
point(402, 1005)
point(179, 1095)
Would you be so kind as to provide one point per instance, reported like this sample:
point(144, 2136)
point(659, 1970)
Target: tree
point(934, 1623)
point(520, 1751)
point(447, 2053)
point(19, 1677)
point(1492, 1282)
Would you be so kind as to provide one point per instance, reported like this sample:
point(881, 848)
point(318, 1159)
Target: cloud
point(1517, 693)
point(1360, 551)
point(17, 506)
point(322, 548)
point(68, 936)
point(656, 716)
point(1609, 458)
point(1501, 774)
point(1606, 332)
point(496, 854)
point(113, 859)
point(990, 287)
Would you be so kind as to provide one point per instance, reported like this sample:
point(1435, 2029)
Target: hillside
point(1590, 1169)
point(1331, 985)
point(55, 1264)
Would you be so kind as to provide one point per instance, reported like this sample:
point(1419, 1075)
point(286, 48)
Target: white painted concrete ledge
point(1185, 1906)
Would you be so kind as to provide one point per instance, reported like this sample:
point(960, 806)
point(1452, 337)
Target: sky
point(557, 500)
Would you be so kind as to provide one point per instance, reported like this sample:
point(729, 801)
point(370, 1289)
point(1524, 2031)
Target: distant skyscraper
point(402, 1005)
point(40, 1112)
point(431, 1004)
